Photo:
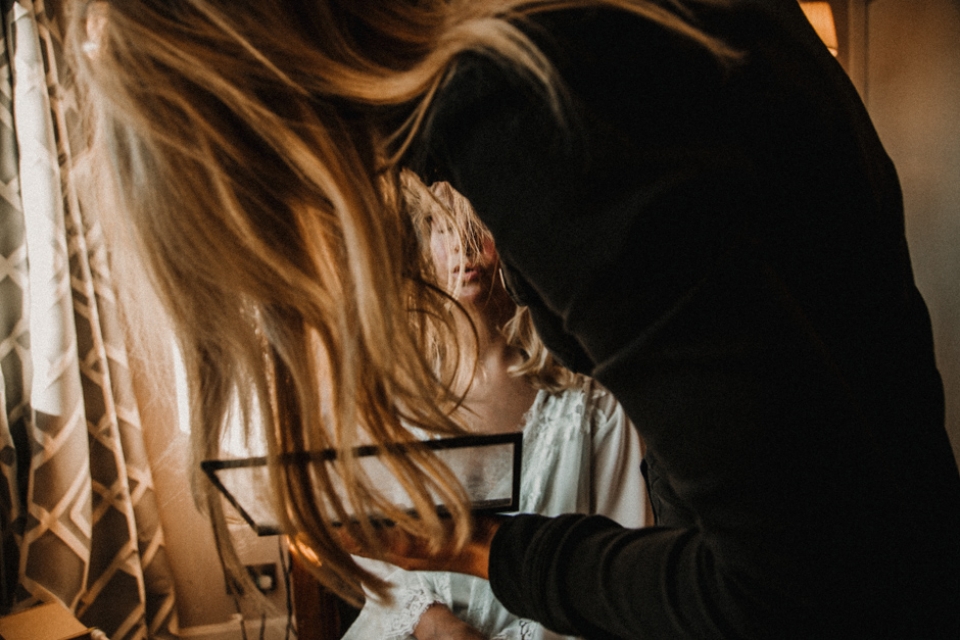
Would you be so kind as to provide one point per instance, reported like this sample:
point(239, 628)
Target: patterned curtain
point(77, 509)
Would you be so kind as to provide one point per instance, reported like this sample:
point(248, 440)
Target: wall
point(910, 80)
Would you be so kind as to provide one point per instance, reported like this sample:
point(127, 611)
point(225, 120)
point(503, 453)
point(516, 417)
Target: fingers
point(414, 553)
point(408, 552)
point(350, 544)
point(394, 545)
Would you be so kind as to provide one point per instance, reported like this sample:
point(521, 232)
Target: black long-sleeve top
point(721, 244)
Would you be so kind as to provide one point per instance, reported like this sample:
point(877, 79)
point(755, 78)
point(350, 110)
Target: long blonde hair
point(250, 149)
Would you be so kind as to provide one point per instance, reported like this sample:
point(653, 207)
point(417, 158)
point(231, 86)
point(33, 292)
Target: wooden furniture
point(319, 613)
point(315, 608)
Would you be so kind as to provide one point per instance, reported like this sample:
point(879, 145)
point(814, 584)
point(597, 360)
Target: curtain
point(77, 507)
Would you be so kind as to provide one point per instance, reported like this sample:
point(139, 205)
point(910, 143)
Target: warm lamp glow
point(820, 16)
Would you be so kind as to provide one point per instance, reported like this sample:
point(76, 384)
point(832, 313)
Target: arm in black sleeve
point(605, 570)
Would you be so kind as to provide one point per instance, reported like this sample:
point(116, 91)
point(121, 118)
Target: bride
point(581, 454)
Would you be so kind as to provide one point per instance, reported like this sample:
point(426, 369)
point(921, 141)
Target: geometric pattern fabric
point(78, 513)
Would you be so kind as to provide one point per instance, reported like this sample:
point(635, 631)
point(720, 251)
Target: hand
point(410, 553)
point(439, 623)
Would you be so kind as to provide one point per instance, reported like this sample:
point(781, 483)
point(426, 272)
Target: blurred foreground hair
point(248, 151)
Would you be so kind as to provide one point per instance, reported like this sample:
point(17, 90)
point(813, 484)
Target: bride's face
point(466, 268)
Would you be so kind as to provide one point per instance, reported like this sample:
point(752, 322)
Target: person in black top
point(687, 194)
point(722, 246)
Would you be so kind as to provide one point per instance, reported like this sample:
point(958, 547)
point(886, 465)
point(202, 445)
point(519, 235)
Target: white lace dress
point(581, 454)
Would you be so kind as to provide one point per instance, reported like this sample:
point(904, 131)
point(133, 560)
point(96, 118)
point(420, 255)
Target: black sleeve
point(610, 584)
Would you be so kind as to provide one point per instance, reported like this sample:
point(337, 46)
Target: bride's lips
point(469, 274)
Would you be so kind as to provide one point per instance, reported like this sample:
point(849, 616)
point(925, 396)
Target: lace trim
point(410, 607)
point(526, 629)
point(522, 630)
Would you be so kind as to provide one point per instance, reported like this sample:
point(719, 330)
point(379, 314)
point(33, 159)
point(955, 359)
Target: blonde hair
point(250, 148)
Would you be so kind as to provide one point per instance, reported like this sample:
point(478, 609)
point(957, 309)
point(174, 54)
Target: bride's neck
point(496, 400)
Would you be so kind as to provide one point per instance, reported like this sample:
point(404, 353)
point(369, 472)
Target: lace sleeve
point(395, 619)
point(411, 601)
point(523, 629)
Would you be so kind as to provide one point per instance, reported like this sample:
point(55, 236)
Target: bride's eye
point(440, 226)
